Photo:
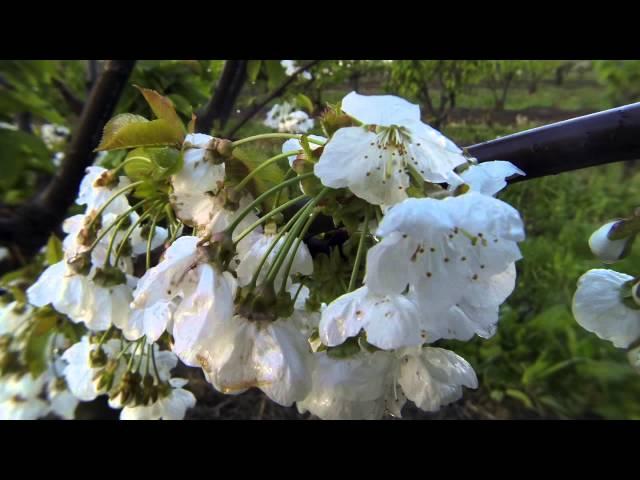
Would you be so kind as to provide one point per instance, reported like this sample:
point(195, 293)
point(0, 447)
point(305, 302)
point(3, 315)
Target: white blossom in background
point(290, 67)
point(374, 160)
point(12, 316)
point(53, 135)
point(598, 307)
point(284, 118)
point(20, 397)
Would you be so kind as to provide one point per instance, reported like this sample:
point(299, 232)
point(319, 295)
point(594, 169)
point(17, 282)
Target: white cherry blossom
point(599, 308)
point(78, 372)
point(20, 397)
point(442, 247)
point(272, 356)
point(95, 196)
point(607, 250)
point(390, 321)
point(373, 160)
point(367, 385)
point(198, 182)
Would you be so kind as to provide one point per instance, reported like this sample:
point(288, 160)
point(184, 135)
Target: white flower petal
point(354, 158)
point(383, 110)
point(489, 177)
point(434, 377)
point(598, 307)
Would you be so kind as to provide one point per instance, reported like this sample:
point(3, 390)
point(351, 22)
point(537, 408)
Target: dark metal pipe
point(596, 139)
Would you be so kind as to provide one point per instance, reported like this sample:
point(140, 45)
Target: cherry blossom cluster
point(329, 289)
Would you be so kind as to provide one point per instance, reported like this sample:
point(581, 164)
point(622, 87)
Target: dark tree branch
point(224, 96)
point(596, 139)
point(275, 94)
point(74, 103)
point(93, 70)
point(30, 224)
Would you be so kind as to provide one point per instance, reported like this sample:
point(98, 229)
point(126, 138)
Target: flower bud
point(220, 248)
point(80, 263)
point(97, 358)
point(224, 147)
point(107, 179)
point(333, 119)
point(109, 276)
point(611, 242)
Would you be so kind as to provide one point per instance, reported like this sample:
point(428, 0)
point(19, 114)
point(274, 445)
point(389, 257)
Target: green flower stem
point(152, 233)
point(261, 167)
point(266, 217)
point(275, 241)
point(155, 366)
point(295, 297)
point(115, 195)
point(133, 354)
point(360, 252)
point(260, 198)
point(290, 174)
point(149, 352)
point(129, 160)
point(295, 231)
point(107, 260)
point(144, 347)
point(265, 136)
point(106, 230)
point(125, 350)
point(295, 247)
point(104, 336)
point(130, 230)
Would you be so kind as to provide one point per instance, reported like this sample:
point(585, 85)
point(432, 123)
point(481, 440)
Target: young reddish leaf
point(129, 131)
point(162, 107)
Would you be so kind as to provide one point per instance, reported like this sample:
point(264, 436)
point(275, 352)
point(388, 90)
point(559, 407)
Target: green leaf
point(253, 69)
point(54, 252)
point(349, 348)
point(35, 353)
point(305, 102)
point(19, 150)
point(129, 131)
point(162, 107)
point(153, 163)
point(275, 73)
point(246, 159)
point(518, 395)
